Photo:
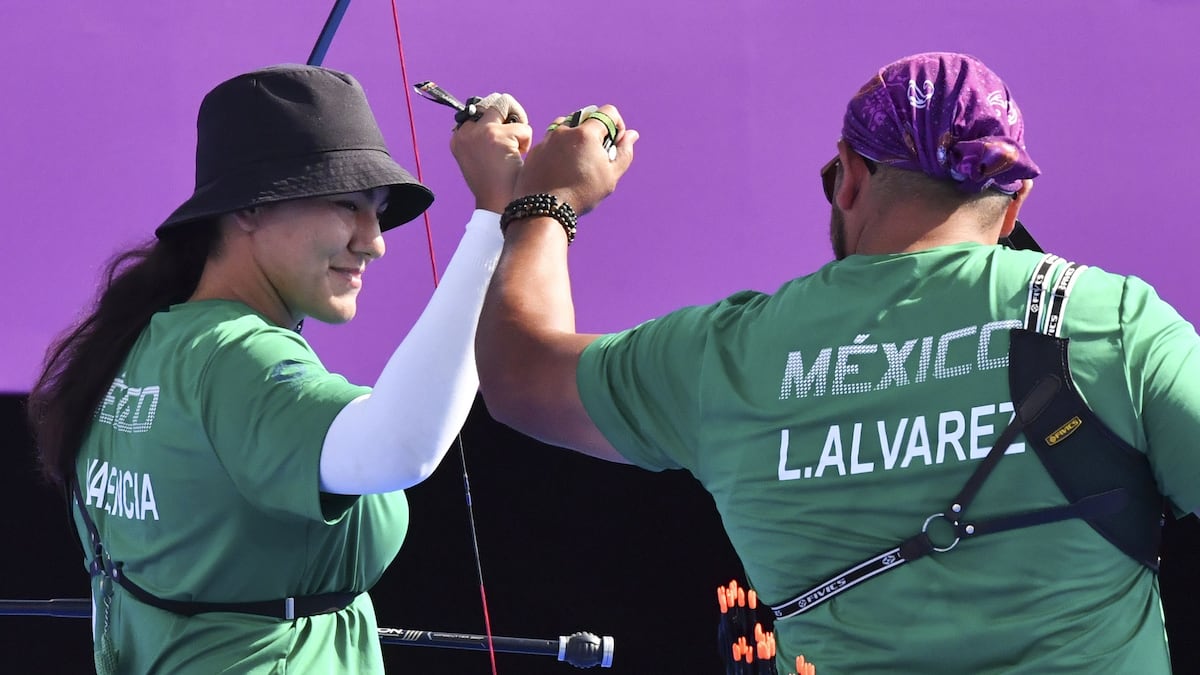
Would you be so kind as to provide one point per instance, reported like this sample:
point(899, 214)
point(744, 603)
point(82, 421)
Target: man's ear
point(854, 172)
point(1010, 214)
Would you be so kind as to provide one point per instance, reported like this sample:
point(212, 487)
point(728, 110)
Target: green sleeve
point(267, 405)
point(643, 387)
point(1162, 353)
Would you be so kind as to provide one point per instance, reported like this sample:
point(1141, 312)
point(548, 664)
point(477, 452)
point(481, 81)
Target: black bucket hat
point(287, 132)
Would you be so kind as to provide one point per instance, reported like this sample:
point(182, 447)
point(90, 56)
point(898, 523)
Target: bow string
point(316, 57)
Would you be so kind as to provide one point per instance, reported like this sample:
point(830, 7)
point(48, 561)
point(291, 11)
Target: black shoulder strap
point(1081, 454)
point(1037, 290)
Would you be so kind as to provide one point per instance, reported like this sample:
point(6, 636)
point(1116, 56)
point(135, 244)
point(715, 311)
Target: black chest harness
point(101, 565)
point(1107, 482)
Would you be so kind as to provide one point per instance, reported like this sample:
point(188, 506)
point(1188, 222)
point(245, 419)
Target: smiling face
point(311, 254)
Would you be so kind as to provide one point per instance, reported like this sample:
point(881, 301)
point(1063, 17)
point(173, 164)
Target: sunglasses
point(1019, 239)
point(829, 174)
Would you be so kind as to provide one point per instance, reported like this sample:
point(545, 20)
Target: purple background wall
point(738, 104)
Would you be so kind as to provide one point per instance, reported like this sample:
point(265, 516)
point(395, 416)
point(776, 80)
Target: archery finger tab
point(432, 92)
point(471, 111)
point(576, 118)
point(608, 123)
point(610, 137)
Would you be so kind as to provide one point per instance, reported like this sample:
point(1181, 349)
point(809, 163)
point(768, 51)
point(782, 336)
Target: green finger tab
point(607, 122)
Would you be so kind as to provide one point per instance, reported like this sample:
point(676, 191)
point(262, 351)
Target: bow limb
point(317, 56)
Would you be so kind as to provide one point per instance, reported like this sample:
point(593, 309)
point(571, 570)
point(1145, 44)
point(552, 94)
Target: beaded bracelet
point(542, 204)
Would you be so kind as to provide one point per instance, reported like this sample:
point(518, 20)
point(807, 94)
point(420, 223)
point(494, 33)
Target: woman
point(235, 499)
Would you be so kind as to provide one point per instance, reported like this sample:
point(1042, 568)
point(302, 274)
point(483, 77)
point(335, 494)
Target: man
point(842, 423)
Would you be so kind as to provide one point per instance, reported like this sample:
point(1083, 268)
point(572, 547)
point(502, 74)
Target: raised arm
point(396, 436)
point(527, 348)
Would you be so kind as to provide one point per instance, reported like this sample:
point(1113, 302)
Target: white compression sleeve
point(396, 436)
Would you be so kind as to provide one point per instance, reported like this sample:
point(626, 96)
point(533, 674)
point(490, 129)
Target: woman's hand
point(490, 149)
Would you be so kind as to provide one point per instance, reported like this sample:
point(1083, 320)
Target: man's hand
point(572, 163)
point(526, 348)
point(489, 150)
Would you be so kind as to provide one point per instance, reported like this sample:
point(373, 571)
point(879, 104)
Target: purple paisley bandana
point(946, 115)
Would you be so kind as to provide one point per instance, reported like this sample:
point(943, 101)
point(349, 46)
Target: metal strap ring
point(925, 529)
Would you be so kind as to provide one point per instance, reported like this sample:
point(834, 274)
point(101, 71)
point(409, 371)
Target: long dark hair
point(82, 363)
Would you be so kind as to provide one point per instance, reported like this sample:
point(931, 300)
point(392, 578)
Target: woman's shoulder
point(208, 328)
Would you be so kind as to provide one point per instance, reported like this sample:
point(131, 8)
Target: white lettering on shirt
point(128, 409)
point(121, 493)
point(953, 354)
point(907, 442)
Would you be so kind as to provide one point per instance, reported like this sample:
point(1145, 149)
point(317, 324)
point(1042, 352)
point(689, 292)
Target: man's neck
point(910, 230)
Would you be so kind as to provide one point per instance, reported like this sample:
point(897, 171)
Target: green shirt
point(830, 419)
point(201, 471)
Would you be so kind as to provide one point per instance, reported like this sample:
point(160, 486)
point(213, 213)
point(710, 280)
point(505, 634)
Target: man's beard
point(837, 233)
